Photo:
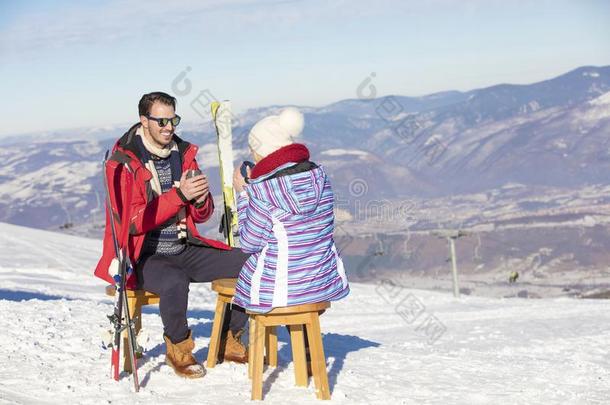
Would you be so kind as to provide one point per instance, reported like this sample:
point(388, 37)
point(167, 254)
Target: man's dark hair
point(149, 99)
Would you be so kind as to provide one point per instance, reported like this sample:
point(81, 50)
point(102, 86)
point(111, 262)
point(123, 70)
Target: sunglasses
point(164, 121)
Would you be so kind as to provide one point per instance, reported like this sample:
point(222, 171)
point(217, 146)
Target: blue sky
point(79, 64)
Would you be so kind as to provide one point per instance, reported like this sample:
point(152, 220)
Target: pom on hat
point(292, 121)
point(276, 131)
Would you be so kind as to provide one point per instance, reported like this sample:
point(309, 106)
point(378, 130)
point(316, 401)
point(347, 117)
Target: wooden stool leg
point(318, 360)
point(133, 304)
point(271, 346)
point(297, 341)
point(257, 369)
point(251, 340)
point(219, 316)
point(137, 315)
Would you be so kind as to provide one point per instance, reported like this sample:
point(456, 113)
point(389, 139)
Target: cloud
point(111, 22)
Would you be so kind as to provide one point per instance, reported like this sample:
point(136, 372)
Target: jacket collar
point(293, 153)
point(127, 144)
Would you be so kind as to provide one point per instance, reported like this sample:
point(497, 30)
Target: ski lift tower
point(451, 236)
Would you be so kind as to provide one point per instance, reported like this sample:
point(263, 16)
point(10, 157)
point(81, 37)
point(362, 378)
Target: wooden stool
point(225, 287)
point(135, 300)
point(263, 334)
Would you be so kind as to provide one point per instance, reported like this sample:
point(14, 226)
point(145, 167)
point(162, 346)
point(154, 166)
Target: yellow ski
point(221, 114)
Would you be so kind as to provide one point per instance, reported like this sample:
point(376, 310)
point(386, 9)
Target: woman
point(286, 221)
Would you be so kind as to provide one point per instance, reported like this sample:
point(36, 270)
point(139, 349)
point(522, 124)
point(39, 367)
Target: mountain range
point(552, 133)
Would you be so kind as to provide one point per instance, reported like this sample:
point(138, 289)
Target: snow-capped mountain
point(552, 133)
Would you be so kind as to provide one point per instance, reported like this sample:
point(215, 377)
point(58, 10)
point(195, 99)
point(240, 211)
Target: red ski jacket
point(147, 212)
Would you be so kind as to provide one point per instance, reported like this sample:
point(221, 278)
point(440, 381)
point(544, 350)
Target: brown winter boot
point(180, 357)
point(232, 349)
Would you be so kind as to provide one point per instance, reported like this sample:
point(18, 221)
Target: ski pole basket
point(136, 300)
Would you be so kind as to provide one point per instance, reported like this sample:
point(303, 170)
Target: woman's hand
point(238, 180)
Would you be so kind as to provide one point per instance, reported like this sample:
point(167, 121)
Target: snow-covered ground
point(384, 344)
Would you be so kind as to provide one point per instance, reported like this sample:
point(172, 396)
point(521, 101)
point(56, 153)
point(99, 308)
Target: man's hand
point(203, 196)
point(196, 187)
point(238, 180)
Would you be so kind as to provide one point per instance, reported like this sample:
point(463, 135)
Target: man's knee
point(237, 260)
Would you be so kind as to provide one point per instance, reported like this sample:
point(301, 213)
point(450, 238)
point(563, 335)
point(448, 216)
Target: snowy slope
point(484, 351)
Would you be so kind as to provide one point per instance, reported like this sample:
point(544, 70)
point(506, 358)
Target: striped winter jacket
point(287, 223)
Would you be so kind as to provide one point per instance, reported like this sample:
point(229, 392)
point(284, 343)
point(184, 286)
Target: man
point(164, 245)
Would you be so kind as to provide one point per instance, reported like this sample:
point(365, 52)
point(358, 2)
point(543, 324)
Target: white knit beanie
point(276, 131)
